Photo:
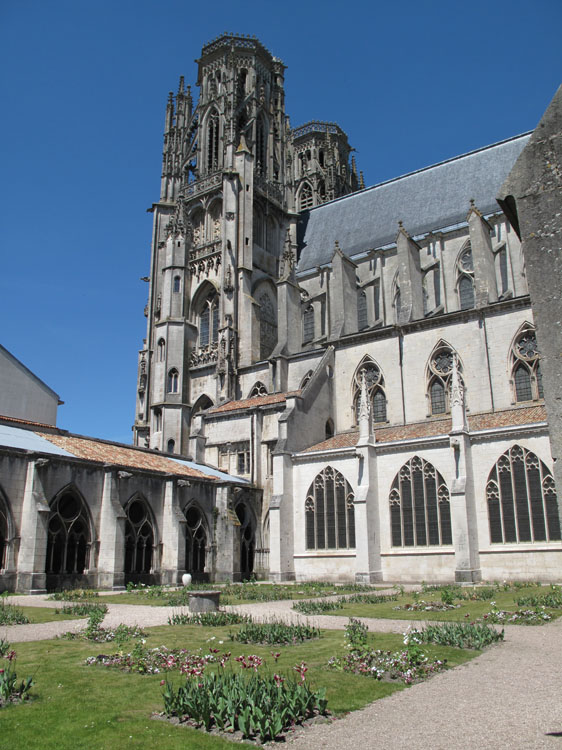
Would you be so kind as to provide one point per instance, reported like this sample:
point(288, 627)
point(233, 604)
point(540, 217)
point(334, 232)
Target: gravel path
point(509, 697)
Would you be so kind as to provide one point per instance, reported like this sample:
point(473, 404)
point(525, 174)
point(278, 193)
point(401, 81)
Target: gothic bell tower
point(219, 229)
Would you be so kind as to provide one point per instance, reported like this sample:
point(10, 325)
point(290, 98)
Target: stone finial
point(361, 181)
point(458, 405)
point(288, 259)
point(181, 85)
point(365, 423)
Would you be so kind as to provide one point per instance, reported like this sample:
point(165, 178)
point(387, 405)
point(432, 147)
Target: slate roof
point(431, 428)
point(427, 200)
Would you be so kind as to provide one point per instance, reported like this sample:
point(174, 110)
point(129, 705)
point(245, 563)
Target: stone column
point(226, 529)
point(111, 560)
point(281, 547)
point(462, 502)
point(368, 567)
point(172, 564)
point(31, 576)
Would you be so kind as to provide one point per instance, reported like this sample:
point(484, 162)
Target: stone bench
point(204, 601)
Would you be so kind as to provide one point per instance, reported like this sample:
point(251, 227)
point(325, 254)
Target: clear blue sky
point(84, 87)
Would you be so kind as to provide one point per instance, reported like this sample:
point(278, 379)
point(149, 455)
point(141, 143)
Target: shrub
point(274, 632)
point(208, 619)
point(94, 631)
point(553, 599)
point(11, 615)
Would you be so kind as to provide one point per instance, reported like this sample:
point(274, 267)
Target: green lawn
point(45, 614)
point(244, 593)
point(468, 611)
point(76, 707)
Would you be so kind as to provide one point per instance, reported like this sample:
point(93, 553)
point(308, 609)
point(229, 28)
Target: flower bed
point(275, 632)
point(258, 707)
point(208, 619)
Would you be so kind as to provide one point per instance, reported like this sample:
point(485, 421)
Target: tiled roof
point(248, 403)
point(506, 418)
point(427, 200)
point(110, 453)
point(25, 421)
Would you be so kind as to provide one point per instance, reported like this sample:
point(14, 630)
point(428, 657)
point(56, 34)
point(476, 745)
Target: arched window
point(171, 445)
point(397, 299)
point(209, 321)
point(329, 430)
point(214, 231)
point(177, 284)
point(305, 197)
point(173, 381)
point(522, 503)
point(258, 389)
point(268, 326)
point(465, 278)
point(161, 350)
point(195, 542)
point(375, 390)
point(139, 538)
point(68, 535)
point(213, 141)
point(329, 512)
point(247, 540)
point(308, 325)
point(362, 319)
point(439, 371)
point(525, 366)
point(502, 268)
point(157, 420)
point(420, 514)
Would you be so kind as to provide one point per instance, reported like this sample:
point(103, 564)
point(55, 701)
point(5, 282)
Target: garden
point(125, 687)
point(208, 679)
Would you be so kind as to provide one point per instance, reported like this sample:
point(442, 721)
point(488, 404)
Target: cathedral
point(365, 358)
point(338, 382)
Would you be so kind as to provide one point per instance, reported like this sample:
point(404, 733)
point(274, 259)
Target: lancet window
point(420, 513)
point(268, 326)
point(68, 535)
point(247, 540)
point(375, 390)
point(439, 371)
point(308, 325)
point(329, 512)
point(209, 320)
point(195, 541)
point(362, 317)
point(213, 141)
point(305, 198)
point(139, 538)
point(465, 278)
point(525, 366)
point(522, 502)
point(173, 381)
